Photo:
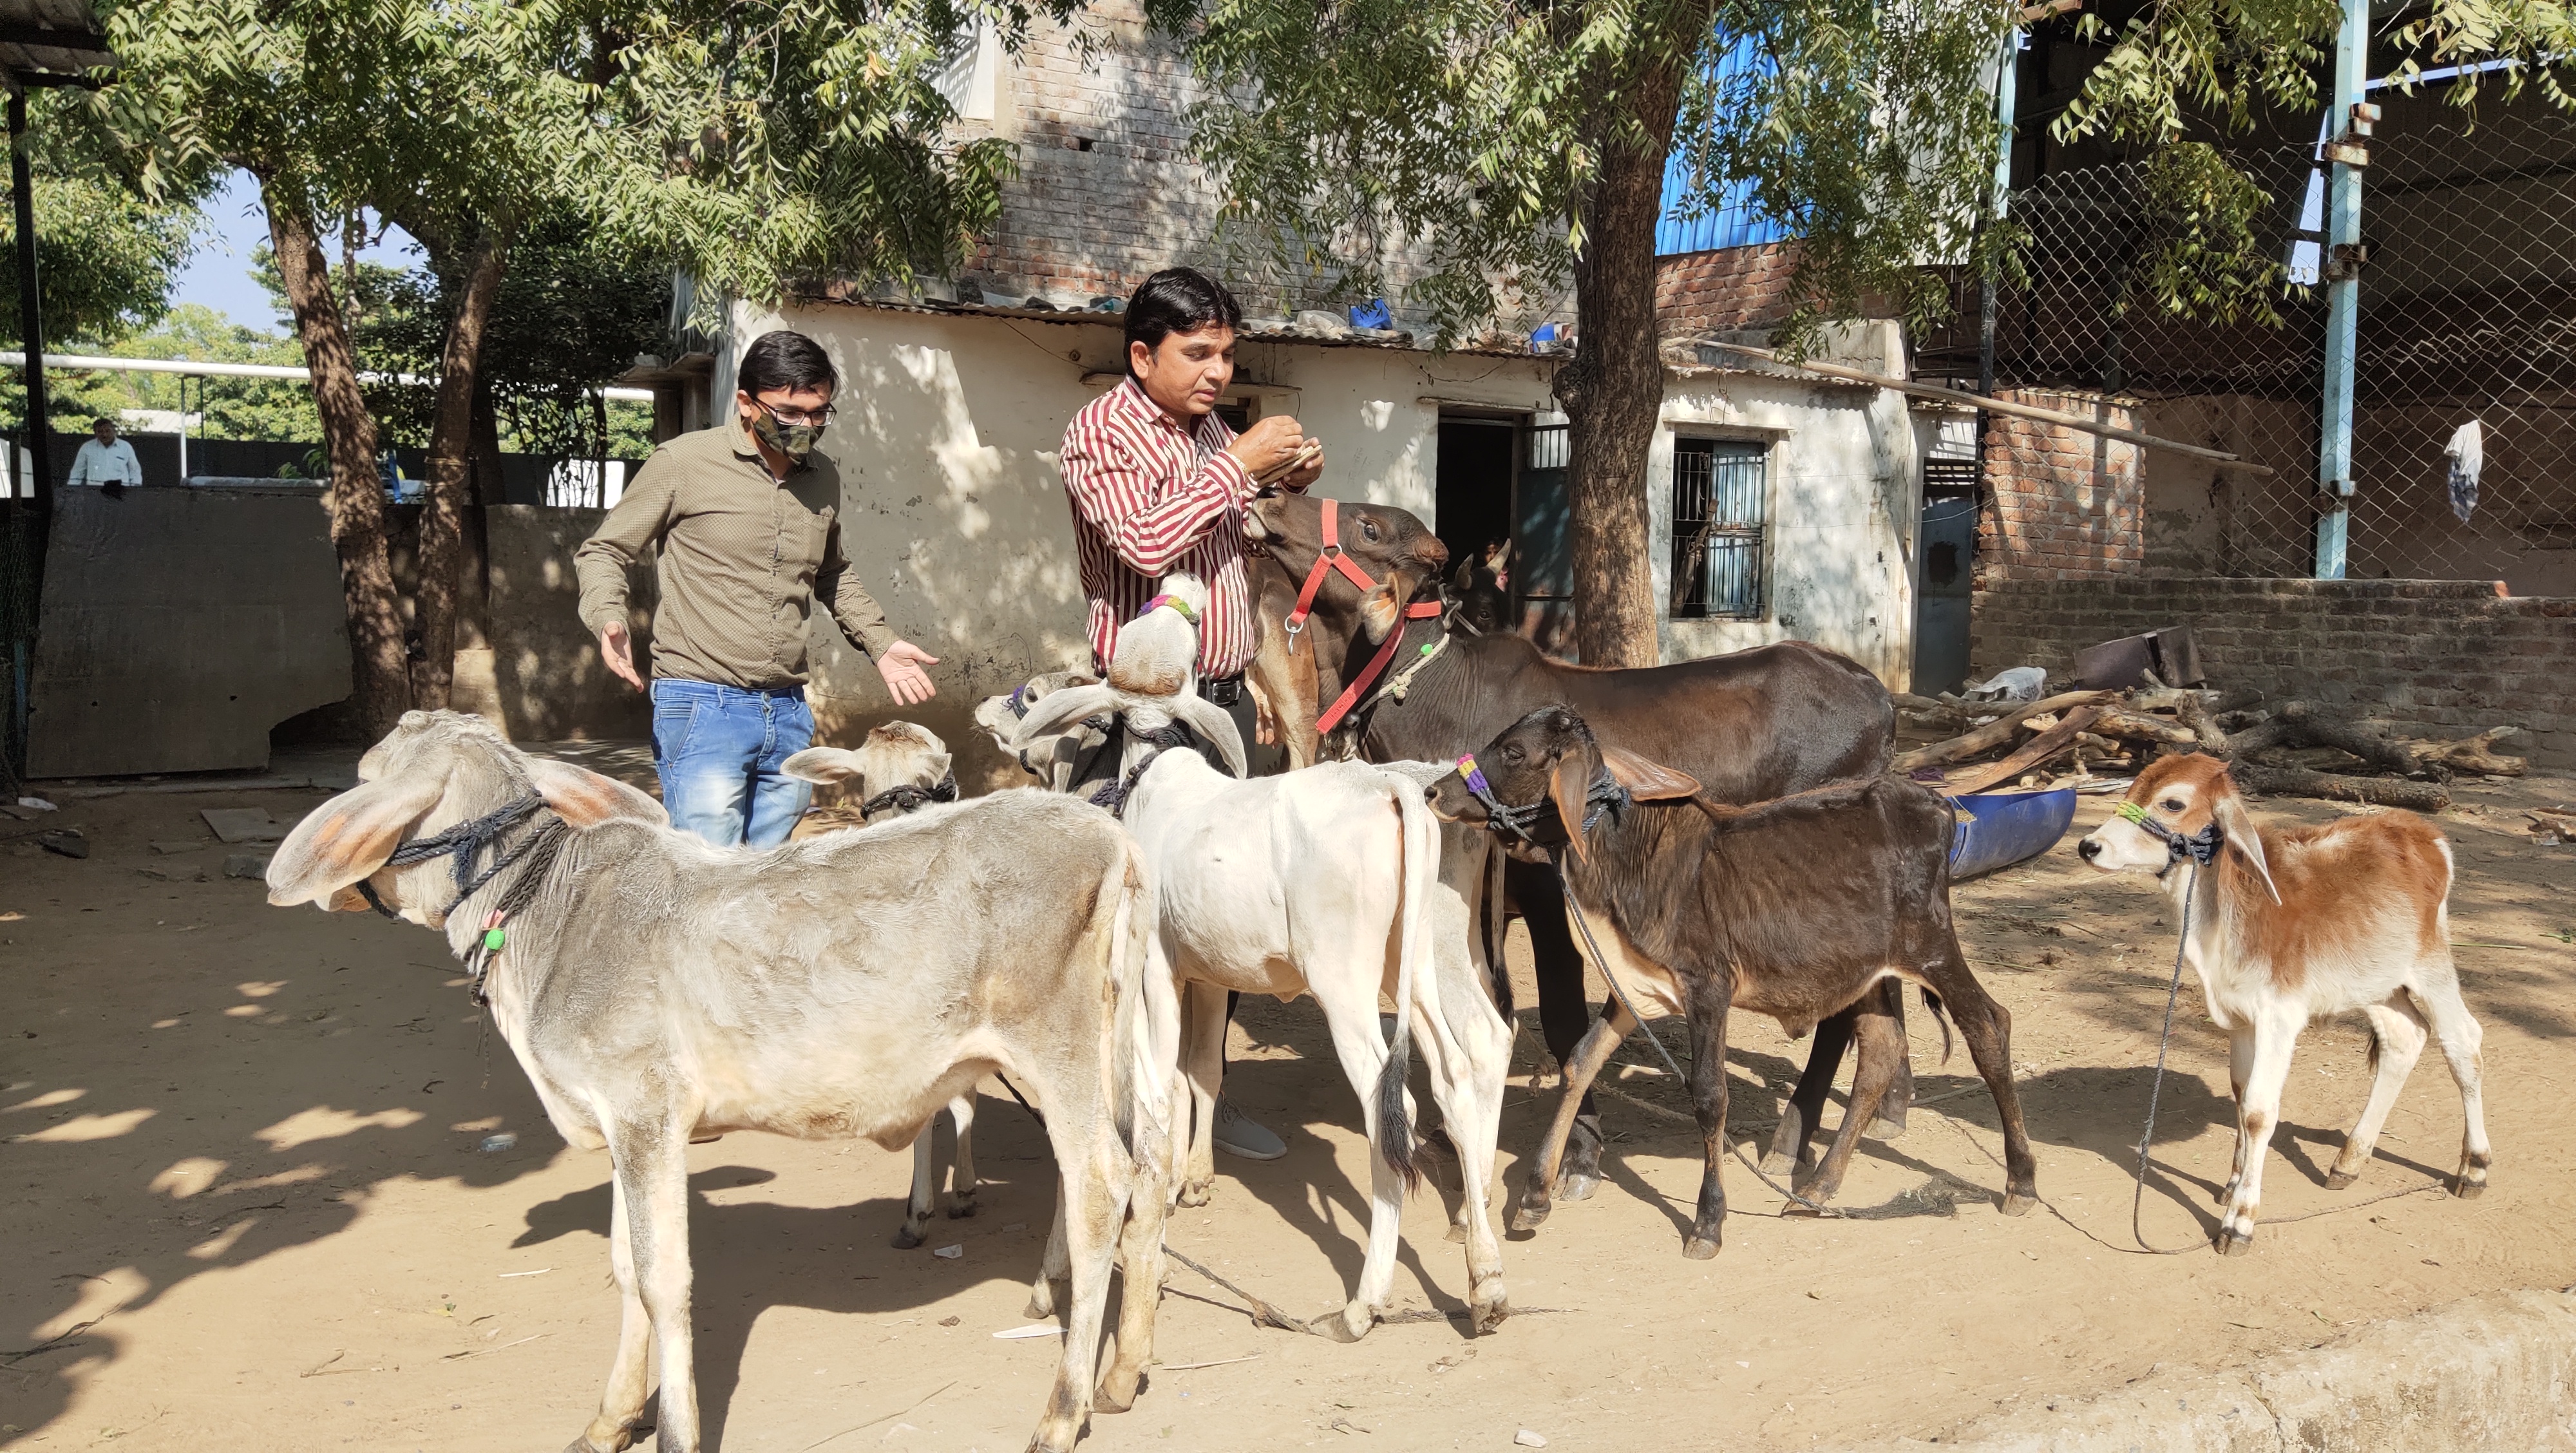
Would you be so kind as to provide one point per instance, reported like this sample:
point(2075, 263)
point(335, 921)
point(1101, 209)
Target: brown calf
point(1797, 908)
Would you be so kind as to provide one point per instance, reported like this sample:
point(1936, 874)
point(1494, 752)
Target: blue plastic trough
point(1999, 829)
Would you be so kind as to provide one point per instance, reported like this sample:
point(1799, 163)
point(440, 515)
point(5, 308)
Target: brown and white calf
point(2292, 923)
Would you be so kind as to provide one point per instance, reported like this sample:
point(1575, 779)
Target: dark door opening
point(1472, 497)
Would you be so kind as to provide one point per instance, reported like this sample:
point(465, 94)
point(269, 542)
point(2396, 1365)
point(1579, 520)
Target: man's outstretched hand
point(617, 648)
point(901, 667)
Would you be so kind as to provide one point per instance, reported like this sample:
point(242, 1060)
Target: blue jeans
point(717, 749)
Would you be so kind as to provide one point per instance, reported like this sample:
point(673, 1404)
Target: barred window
point(1720, 488)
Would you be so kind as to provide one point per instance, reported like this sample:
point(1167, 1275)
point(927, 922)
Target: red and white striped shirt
point(1151, 497)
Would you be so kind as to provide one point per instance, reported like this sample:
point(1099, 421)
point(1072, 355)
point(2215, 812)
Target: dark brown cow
point(1793, 908)
point(1749, 726)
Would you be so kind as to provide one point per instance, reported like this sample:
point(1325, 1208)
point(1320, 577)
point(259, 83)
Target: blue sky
point(219, 276)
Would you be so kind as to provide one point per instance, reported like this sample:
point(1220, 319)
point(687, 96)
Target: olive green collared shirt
point(744, 558)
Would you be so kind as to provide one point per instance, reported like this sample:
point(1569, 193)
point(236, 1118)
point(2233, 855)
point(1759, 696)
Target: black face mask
point(793, 440)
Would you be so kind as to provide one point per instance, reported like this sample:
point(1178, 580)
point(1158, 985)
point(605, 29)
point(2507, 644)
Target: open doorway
point(1473, 489)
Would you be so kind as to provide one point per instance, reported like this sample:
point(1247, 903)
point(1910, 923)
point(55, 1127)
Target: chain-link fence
point(2468, 315)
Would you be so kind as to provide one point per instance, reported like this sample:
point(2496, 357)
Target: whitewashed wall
point(947, 438)
point(1845, 481)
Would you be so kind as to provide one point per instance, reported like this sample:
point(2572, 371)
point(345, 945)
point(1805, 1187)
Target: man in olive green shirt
point(744, 519)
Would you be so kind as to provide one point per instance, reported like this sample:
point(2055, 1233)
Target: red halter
point(1328, 560)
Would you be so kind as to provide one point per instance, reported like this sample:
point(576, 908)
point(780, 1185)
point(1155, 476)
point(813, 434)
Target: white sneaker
point(1248, 1138)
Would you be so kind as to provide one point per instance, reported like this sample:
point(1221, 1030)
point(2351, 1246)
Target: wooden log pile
point(2295, 749)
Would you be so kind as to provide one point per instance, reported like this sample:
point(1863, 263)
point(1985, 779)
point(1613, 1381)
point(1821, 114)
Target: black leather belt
point(1224, 691)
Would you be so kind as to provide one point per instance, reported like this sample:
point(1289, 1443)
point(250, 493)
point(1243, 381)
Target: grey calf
point(897, 771)
point(849, 985)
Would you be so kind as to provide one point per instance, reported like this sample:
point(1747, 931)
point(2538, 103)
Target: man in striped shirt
point(1158, 484)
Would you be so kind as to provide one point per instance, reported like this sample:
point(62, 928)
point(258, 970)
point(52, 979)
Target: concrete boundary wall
point(2429, 658)
point(2491, 1372)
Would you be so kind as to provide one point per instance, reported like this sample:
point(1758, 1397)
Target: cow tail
point(1496, 926)
point(1138, 1093)
point(1940, 1016)
point(1420, 837)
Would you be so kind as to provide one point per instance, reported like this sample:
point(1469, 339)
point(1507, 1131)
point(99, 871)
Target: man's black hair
point(786, 360)
point(101, 423)
point(1178, 300)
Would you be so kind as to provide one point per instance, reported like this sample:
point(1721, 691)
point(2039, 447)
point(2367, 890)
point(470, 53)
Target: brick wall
point(1724, 290)
point(2061, 504)
point(2429, 658)
point(1108, 193)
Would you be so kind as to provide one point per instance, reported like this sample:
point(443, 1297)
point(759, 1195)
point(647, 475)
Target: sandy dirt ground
point(247, 1205)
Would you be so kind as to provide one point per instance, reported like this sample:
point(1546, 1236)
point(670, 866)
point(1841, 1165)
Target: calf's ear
point(348, 838)
point(1057, 711)
point(1381, 610)
point(2243, 838)
point(1569, 785)
point(1648, 781)
point(585, 798)
point(829, 765)
point(1212, 725)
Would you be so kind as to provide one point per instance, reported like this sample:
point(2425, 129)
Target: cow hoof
point(1885, 1127)
point(1456, 1232)
point(1487, 1306)
point(1529, 1215)
point(1336, 1325)
point(2468, 1190)
point(2341, 1180)
point(619, 1440)
point(906, 1239)
point(963, 1210)
point(1196, 1193)
point(2231, 1242)
point(1577, 1186)
point(2018, 1204)
point(1700, 1248)
point(1779, 1163)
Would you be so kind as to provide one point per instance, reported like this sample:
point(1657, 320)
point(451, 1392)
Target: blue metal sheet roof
point(1733, 222)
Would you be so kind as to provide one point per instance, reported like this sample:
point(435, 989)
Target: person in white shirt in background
point(106, 460)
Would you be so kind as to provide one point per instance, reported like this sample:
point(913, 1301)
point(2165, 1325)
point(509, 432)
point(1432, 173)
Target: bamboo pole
point(2219, 457)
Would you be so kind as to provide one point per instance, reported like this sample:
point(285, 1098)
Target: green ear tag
point(493, 938)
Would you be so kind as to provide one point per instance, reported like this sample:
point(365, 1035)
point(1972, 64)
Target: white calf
point(897, 770)
point(1322, 881)
point(2291, 923)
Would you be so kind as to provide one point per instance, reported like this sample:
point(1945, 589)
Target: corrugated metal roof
point(51, 38)
point(1732, 221)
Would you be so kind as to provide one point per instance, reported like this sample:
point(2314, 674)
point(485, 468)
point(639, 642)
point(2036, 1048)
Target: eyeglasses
point(815, 417)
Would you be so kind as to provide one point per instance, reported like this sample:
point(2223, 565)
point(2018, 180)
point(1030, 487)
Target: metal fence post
point(2343, 290)
point(2007, 88)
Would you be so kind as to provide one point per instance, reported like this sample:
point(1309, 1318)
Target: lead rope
point(2155, 1092)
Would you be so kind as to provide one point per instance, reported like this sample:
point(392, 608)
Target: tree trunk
point(1614, 388)
point(474, 602)
point(355, 498)
point(451, 464)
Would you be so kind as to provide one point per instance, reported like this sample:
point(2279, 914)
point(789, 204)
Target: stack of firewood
point(2294, 748)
